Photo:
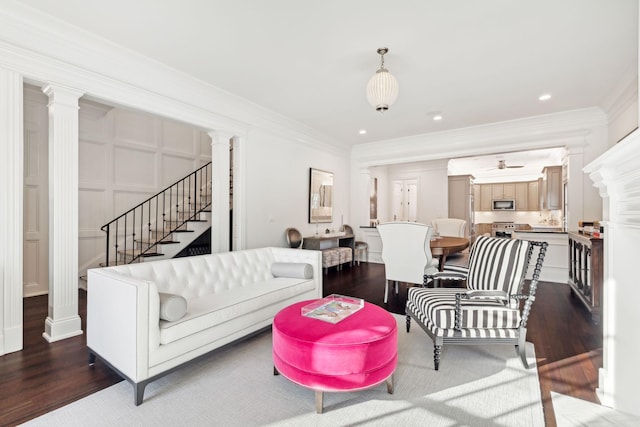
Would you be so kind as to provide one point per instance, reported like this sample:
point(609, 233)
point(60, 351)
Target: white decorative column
point(239, 193)
point(576, 181)
point(63, 320)
point(617, 175)
point(220, 167)
point(11, 218)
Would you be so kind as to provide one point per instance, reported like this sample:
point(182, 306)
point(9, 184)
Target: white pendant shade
point(382, 89)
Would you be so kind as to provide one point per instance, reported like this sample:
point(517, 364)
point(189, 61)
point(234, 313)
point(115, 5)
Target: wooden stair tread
point(155, 242)
point(138, 252)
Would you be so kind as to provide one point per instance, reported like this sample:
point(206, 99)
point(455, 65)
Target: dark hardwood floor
point(46, 376)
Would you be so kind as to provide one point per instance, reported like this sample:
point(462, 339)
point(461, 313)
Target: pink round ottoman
point(358, 352)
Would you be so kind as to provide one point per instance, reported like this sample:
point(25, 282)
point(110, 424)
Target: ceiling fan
point(502, 164)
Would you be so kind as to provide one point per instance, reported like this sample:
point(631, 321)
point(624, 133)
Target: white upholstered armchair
point(406, 253)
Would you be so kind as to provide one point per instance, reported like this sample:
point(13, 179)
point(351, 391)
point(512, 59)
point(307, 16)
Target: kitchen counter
point(545, 227)
point(372, 237)
point(556, 262)
point(550, 231)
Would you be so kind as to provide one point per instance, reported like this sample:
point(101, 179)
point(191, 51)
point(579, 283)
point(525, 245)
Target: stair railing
point(137, 232)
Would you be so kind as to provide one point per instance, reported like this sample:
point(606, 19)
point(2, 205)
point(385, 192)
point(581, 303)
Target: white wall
point(433, 189)
point(277, 189)
point(125, 157)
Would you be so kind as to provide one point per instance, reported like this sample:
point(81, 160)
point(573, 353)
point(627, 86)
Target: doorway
point(405, 200)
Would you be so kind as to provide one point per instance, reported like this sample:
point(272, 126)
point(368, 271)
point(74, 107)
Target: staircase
point(163, 225)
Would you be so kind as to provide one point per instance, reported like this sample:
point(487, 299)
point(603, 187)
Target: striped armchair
point(489, 311)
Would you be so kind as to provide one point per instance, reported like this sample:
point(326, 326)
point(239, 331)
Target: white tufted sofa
point(229, 295)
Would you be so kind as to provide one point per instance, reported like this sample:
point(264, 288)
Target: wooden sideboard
point(586, 271)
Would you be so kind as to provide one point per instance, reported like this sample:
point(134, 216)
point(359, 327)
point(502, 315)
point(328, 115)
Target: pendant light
point(382, 89)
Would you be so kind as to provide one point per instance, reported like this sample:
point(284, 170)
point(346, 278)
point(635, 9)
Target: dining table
point(442, 246)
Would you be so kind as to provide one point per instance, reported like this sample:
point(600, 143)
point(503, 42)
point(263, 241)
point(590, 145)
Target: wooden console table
point(586, 271)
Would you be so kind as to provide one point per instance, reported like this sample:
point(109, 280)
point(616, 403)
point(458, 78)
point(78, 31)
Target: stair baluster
point(192, 196)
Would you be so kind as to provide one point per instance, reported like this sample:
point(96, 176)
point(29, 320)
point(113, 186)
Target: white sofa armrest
point(118, 312)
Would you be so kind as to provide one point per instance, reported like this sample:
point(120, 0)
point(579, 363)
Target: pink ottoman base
point(357, 353)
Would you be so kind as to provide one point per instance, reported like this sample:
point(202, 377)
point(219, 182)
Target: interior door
point(36, 200)
point(405, 200)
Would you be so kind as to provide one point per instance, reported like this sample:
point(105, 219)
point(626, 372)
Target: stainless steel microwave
point(504, 205)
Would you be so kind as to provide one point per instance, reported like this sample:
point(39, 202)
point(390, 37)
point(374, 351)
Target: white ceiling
point(474, 61)
point(485, 168)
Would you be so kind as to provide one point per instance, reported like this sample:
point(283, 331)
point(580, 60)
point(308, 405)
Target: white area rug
point(475, 386)
point(573, 412)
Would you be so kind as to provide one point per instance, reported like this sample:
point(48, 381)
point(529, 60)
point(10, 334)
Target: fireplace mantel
point(616, 174)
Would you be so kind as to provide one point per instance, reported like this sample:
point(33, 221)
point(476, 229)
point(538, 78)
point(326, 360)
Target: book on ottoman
point(333, 308)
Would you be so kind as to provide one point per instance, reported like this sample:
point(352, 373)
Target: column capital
point(62, 94)
point(220, 136)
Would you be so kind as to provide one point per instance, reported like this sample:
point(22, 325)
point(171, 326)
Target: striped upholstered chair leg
point(496, 274)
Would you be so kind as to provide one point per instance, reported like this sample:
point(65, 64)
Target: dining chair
point(490, 309)
point(453, 227)
point(294, 238)
point(406, 253)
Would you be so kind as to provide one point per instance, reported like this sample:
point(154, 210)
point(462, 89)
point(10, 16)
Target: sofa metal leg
point(275, 371)
point(436, 356)
point(408, 323)
point(390, 384)
point(138, 391)
point(92, 358)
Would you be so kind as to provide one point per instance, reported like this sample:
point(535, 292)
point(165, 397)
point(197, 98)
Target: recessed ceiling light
point(545, 97)
point(435, 115)
point(362, 131)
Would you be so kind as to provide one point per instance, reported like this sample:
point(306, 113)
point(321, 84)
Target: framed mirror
point(320, 196)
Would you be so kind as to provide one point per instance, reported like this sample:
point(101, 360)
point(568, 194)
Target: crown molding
point(568, 128)
point(623, 96)
point(46, 50)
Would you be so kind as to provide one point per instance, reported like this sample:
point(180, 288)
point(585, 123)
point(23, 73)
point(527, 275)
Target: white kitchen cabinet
point(371, 236)
point(556, 262)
